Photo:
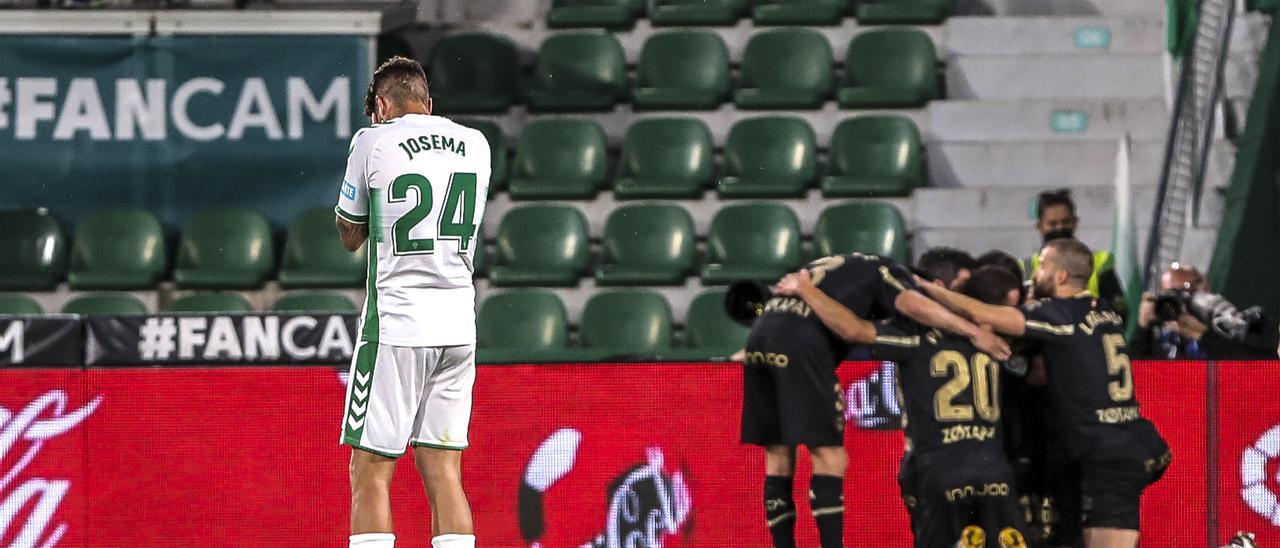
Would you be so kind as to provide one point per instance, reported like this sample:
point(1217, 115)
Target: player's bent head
point(948, 265)
point(994, 285)
point(1071, 256)
point(995, 257)
point(398, 82)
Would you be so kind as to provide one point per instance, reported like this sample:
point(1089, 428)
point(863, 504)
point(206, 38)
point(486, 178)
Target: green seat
point(697, 12)
point(647, 244)
point(314, 256)
point(228, 248)
point(785, 69)
point(16, 304)
point(904, 12)
point(474, 72)
point(773, 157)
point(541, 245)
point(480, 261)
point(890, 68)
point(313, 301)
point(529, 320)
point(874, 156)
point(682, 70)
point(799, 12)
point(560, 159)
point(105, 304)
point(579, 71)
point(709, 327)
point(752, 241)
point(210, 303)
point(666, 158)
point(497, 151)
point(870, 228)
point(32, 251)
point(626, 323)
point(617, 14)
point(118, 249)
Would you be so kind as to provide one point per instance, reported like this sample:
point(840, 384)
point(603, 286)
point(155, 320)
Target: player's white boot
point(373, 540)
point(454, 541)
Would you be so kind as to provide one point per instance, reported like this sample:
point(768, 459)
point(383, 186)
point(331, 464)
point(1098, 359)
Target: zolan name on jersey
point(155, 109)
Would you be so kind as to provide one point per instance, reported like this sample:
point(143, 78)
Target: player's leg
point(1111, 493)
point(439, 436)
point(826, 492)
point(779, 500)
point(1110, 537)
point(377, 429)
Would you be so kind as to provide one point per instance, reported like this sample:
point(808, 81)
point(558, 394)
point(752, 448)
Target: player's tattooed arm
point(352, 234)
point(924, 310)
point(837, 317)
point(1004, 319)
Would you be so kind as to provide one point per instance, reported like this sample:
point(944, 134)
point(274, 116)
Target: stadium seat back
point(594, 13)
point(118, 249)
point(769, 157)
point(580, 71)
point(523, 319)
point(870, 228)
point(19, 304)
point(541, 245)
point(709, 327)
point(227, 248)
point(626, 322)
point(648, 244)
point(32, 251)
point(105, 304)
point(799, 12)
point(474, 72)
point(314, 256)
point(752, 241)
point(560, 159)
point(313, 301)
point(666, 158)
point(890, 68)
point(697, 12)
point(682, 70)
point(210, 303)
point(875, 156)
point(785, 68)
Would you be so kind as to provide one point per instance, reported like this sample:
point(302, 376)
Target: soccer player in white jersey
point(415, 187)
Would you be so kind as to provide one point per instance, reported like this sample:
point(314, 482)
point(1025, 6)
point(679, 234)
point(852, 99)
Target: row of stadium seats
point(536, 245)
point(519, 321)
point(790, 68)
point(624, 13)
point(674, 158)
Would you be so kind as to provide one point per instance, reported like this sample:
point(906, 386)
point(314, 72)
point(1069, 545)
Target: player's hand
point(794, 284)
point(987, 341)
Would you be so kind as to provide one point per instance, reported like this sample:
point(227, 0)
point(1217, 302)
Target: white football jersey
point(421, 183)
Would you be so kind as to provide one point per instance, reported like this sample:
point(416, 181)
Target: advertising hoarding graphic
point(1258, 492)
point(229, 339)
point(641, 453)
point(1247, 471)
point(40, 341)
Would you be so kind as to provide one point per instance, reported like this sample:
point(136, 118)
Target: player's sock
point(373, 540)
point(780, 511)
point(453, 541)
point(826, 498)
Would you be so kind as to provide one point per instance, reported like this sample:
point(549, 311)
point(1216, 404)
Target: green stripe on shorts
point(361, 390)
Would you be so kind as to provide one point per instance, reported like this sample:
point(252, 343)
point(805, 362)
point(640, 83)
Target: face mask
point(1059, 233)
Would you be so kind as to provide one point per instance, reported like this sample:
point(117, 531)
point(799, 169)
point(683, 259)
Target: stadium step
point(1022, 242)
point(1127, 34)
point(1046, 119)
point(995, 207)
point(1047, 164)
point(1105, 8)
point(1117, 76)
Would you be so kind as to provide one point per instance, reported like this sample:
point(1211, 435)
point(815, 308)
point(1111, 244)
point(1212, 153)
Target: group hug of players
point(954, 349)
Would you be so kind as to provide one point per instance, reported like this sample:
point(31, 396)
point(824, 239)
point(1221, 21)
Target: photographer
point(1186, 320)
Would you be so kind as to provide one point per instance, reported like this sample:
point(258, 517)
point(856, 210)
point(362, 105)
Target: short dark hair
point(991, 284)
point(398, 80)
point(1075, 258)
point(945, 263)
point(1050, 198)
point(995, 257)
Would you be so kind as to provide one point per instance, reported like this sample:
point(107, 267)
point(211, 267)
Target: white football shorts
point(409, 395)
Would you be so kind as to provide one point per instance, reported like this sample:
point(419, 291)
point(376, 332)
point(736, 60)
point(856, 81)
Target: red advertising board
point(561, 455)
point(1247, 471)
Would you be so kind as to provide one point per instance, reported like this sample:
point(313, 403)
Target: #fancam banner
point(178, 123)
point(40, 341)
point(228, 339)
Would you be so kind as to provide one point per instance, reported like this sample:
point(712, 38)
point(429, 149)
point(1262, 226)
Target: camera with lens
point(1212, 309)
